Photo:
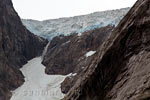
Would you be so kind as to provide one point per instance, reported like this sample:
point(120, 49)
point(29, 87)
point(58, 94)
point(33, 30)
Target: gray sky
point(50, 9)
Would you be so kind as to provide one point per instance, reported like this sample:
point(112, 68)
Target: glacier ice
point(78, 24)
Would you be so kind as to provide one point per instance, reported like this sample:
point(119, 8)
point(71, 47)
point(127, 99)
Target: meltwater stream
point(38, 85)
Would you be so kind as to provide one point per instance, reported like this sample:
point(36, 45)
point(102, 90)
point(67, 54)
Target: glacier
point(38, 85)
point(78, 24)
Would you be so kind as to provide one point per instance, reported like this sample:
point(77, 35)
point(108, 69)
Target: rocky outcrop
point(67, 54)
point(17, 46)
point(120, 68)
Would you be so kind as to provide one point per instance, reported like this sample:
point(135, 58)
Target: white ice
point(90, 53)
point(79, 34)
point(74, 74)
point(38, 85)
point(78, 24)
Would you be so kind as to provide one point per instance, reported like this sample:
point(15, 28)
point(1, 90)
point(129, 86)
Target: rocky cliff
point(120, 70)
point(17, 46)
point(71, 54)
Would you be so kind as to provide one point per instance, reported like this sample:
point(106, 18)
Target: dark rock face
point(120, 70)
point(66, 54)
point(17, 46)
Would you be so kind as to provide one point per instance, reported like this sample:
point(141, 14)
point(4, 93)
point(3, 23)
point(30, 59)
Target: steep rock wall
point(120, 70)
point(17, 46)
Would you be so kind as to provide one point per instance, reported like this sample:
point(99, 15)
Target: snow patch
point(71, 75)
point(90, 53)
point(66, 43)
point(38, 85)
point(79, 34)
point(74, 74)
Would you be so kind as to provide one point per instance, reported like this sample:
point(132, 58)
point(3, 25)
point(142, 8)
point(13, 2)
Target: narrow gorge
point(99, 56)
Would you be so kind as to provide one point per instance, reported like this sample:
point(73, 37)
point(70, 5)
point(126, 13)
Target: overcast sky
point(50, 9)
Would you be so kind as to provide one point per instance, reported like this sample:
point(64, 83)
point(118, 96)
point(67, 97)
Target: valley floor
point(38, 85)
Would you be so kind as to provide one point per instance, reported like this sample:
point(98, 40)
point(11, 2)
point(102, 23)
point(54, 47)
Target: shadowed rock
point(17, 46)
point(120, 70)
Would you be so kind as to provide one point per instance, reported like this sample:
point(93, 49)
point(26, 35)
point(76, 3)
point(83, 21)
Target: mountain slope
point(120, 70)
point(17, 46)
point(71, 54)
point(65, 26)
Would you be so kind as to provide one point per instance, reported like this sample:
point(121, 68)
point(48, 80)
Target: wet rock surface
point(67, 54)
point(17, 46)
point(120, 68)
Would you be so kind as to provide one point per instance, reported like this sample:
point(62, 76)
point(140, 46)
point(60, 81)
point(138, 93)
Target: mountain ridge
point(78, 24)
point(76, 15)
